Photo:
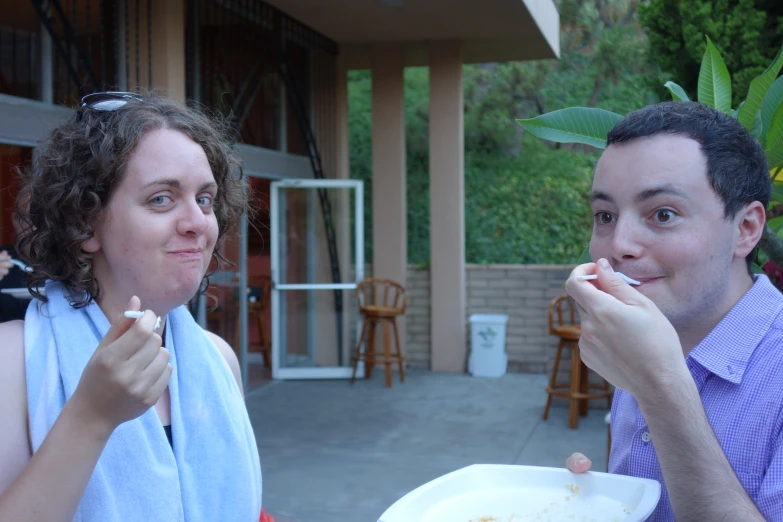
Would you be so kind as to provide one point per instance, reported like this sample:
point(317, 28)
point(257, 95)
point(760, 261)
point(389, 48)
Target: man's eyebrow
point(601, 196)
point(174, 183)
point(665, 190)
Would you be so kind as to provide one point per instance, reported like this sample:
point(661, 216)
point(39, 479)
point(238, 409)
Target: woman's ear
point(92, 245)
point(751, 221)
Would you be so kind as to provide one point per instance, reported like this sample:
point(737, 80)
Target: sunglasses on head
point(109, 101)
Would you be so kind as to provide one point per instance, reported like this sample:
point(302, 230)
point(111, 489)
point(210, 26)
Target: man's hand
point(5, 264)
point(625, 338)
point(578, 463)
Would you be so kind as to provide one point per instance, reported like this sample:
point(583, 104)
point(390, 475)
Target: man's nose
point(626, 240)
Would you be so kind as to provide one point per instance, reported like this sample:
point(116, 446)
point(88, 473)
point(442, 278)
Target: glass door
point(317, 260)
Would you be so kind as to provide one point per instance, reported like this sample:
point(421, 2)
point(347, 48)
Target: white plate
point(498, 493)
point(20, 293)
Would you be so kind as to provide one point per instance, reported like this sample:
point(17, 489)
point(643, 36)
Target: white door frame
point(341, 372)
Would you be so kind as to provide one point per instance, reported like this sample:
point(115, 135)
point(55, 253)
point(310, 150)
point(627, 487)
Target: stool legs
point(265, 349)
point(584, 387)
point(387, 352)
point(578, 390)
point(553, 379)
point(576, 381)
point(368, 331)
point(358, 350)
point(369, 354)
point(400, 359)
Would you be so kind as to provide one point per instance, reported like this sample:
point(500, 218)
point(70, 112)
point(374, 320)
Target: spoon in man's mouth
point(622, 276)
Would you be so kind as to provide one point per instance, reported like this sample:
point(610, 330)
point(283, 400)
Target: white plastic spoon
point(21, 265)
point(133, 314)
point(622, 276)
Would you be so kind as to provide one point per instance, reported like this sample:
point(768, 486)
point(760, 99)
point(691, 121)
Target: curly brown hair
point(80, 164)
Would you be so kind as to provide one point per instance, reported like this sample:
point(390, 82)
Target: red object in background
point(774, 273)
point(265, 517)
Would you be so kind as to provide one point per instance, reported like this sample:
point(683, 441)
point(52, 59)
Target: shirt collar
point(726, 351)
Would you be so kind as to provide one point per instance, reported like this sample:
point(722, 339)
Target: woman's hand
point(126, 375)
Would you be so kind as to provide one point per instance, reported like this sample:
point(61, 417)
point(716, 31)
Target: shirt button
point(646, 436)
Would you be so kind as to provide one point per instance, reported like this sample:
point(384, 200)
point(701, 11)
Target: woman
point(105, 417)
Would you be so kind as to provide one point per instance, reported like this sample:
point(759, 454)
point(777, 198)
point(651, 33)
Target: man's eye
point(604, 218)
point(664, 215)
point(159, 200)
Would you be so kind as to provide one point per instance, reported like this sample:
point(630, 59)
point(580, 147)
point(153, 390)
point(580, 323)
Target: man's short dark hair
point(736, 165)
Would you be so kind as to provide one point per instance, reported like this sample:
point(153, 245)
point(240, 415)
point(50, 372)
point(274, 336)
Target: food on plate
point(571, 508)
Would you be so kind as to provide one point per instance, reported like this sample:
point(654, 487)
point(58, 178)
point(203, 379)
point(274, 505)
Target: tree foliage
point(748, 33)
point(526, 201)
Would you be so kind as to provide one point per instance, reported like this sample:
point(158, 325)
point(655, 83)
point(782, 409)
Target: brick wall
point(523, 292)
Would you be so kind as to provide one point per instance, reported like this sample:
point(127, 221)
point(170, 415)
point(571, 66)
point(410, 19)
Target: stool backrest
point(381, 292)
point(562, 312)
point(264, 285)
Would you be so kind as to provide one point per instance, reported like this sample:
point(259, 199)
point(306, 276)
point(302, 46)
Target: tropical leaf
point(714, 80)
point(585, 257)
point(775, 156)
point(758, 128)
point(678, 93)
point(573, 125)
point(777, 192)
point(775, 130)
point(758, 90)
point(735, 112)
point(776, 224)
point(772, 101)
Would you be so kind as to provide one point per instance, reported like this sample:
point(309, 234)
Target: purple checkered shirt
point(738, 369)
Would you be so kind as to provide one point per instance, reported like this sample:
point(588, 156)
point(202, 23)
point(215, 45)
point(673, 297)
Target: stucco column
point(345, 232)
point(389, 207)
point(447, 208)
point(168, 48)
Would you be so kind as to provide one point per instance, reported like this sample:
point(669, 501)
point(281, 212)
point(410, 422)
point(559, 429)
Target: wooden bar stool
point(380, 302)
point(257, 306)
point(577, 391)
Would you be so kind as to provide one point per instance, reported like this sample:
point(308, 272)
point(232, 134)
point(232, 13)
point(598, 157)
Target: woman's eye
point(204, 201)
point(664, 215)
point(604, 218)
point(160, 200)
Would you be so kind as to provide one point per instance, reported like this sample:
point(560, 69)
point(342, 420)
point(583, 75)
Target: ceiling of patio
point(490, 30)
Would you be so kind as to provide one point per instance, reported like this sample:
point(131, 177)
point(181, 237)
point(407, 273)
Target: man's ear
point(750, 223)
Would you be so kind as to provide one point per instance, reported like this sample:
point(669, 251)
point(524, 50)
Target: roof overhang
point(489, 30)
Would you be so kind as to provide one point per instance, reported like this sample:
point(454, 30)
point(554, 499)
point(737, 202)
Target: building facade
point(278, 69)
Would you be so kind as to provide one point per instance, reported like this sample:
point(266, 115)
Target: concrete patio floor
point(331, 452)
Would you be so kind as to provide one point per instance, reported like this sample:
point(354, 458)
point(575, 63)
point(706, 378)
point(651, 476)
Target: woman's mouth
point(192, 253)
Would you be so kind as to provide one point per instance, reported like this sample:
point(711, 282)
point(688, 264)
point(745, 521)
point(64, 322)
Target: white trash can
point(488, 345)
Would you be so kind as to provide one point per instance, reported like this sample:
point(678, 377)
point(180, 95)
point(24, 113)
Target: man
point(696, 350)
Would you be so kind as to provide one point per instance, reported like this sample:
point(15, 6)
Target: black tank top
point(167, 427)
